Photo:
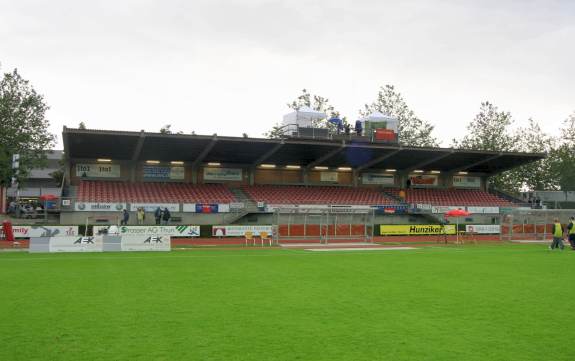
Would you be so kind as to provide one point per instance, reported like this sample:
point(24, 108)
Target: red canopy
point(48, 197)
point(457, 213)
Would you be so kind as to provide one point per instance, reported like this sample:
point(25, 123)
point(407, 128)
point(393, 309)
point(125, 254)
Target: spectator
point(125, 217)
point(158, 215)
point(571, 232)
point(166, 217)
point(141, 216)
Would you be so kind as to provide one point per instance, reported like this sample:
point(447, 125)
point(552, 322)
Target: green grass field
point(499, 302)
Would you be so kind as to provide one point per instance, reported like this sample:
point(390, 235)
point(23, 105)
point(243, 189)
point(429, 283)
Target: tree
point(315, 102)
point(81, 125)
point(490, 130)
point(563, 157)
point(24, 127)
point(166, 129)
point(412, 130)
point(540, 175)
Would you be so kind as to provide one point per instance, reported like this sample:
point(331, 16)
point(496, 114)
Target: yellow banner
point(416, 229)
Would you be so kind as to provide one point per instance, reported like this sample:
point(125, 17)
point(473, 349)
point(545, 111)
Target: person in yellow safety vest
point(571, 232)
point(557, 235)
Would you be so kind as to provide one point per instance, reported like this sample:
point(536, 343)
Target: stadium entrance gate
point(329, 224)
point(531, 224)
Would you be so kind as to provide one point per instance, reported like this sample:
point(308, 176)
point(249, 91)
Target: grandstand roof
point(199, 149)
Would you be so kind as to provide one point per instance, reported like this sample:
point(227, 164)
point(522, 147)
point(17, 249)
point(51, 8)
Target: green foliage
point(412, 130)
point(81, 125)
point(471, 303)
point(24, 127)
point(166, 129)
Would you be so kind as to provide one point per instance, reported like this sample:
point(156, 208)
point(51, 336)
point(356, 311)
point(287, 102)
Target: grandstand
point(202, 179)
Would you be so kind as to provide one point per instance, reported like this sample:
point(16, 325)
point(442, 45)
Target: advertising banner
point(483, 228)
point(223, 174)
point(483, 210)
point(377, 178)
point(76, 244)
point(418, 229)
point(151, 207)
point(420, 180)
point(239, 231)
point(466, 182)
point(444, 209)
point(328, 177)
point(98, 170)
point(155, 172)
point(44, 231)
point(206, 208)
point(145, 243)
point(174, 231)
point(99, 207)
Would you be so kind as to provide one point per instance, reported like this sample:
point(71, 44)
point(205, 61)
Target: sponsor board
point(44, 231)
point(423, 180)
point(223, 174)
point(151, 207)
point(483, 210)
point(98, 207)
point(444, 209)
point(466, 182)
point(328, 177)
point(98, 170)
point(76, 244)
point(376, 178)
point(239, 231)
point(416, 229)
point(154, 172)
point(206, 208)
point(174, 231)
point(145, 243)
point(237, 205)
point(423, 206)
point(483, 228)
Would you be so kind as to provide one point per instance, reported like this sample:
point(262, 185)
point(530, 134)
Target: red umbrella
point(48, 197)
point(457, 213)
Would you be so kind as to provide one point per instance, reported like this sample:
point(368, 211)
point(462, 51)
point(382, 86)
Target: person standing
point(571, 232)
point(141, 216)
point(125, 217)
point(557, 235)
point(158, 215)
point(166, 216)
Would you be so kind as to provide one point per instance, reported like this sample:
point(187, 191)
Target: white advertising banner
point(483, 228)
point(156, 172)
point(151, 207)
point(76, 244)
point(98, 207)
point(98, 170)
point(145, 243)
point(223, 174)
point(44, 231)
point(376, 178)
point(444, 209)
point(239, 231)
point(328, 177)
point(423, 180)
point(483, 210)
point(174, 231)
point(466, 182)
point(424, 206)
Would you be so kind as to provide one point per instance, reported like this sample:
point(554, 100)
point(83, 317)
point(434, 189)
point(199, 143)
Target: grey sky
point(230, 67)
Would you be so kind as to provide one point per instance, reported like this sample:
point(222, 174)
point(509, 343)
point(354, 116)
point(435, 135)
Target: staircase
point(249, 206)
point(509, 197)
point(394, 197)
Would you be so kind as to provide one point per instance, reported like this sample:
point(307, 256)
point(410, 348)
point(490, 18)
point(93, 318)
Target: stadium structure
point(341, 186)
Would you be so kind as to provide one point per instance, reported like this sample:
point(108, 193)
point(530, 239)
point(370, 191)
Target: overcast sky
point(229, 67)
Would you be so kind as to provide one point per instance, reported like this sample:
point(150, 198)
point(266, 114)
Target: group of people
point(162, 216)
point(25, 210)
point(558, 233)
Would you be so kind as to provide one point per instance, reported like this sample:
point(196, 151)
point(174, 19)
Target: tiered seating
point(103, 191)
point(452, 197)
point(316, 195)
